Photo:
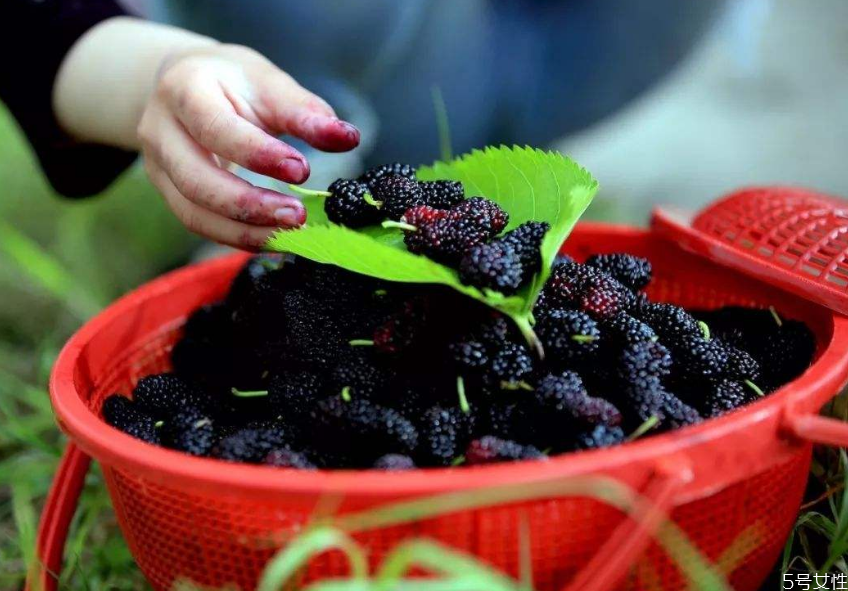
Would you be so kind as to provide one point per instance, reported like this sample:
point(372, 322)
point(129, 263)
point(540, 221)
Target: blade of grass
point(288, 561)
point(46, 271)
point(439, 559)
point(442, 124)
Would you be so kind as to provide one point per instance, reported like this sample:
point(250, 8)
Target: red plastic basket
point(733, 485)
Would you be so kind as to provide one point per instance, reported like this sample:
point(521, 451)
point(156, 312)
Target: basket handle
point(816, 428)
point(56, 519)
point(615, 557)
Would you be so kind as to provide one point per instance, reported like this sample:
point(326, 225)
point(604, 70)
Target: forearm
point(105, 80)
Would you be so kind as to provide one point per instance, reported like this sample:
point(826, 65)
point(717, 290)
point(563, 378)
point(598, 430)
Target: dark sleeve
point(35, 35)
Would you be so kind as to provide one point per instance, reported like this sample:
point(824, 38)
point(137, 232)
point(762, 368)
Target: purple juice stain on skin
point(330, 134)
point(261, 207)
point(277, 160)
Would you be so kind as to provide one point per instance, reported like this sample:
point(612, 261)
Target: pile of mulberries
point(309, 366)
point(439, 222)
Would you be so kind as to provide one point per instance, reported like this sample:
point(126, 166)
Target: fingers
point(286, 107)
point(203, 221)
point(212, 121)
point(197, 178)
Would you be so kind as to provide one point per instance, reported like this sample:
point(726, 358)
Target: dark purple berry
point(568, 335)
point(696, 358)
point(644, 359)
point(286, 458)
point(566, 396)
point(495, 265)
point(622, 330)
point(631, 271)
point(397, 194)
point(396, 168)
point(444, 434)
point(123, 414)
point(723, 396)
point(251, 444)
point(189, 430)
point(393, 462)
point(491, 449)
point(359, 374)
point(598, 437)
point(441, 235)
point(361, 429)
point(442, 194)
point(604, 297)
point(526, 239)
point(511, 367)
point(347, 205)
point(483, 213)
point(679, 414)
point(669, 321)
point(293, 393)
point(468, 356)
point(161, 395)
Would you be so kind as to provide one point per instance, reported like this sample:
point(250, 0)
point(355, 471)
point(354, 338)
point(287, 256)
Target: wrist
point(108, 76)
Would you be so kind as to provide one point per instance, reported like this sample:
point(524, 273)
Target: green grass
point(61, 261)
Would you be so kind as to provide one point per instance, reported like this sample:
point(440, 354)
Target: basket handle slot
point(56, 519)
point(615, 557)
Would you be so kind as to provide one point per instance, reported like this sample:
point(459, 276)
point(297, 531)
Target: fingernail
point(351, 130)
point(296, 170)
point(290, 216)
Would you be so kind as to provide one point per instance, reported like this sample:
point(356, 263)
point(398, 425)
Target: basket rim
point(116, 449)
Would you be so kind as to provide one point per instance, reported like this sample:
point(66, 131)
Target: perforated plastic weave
point(217, 523)
point(787, 236)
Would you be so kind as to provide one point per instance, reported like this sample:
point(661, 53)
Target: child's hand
point(221, 104)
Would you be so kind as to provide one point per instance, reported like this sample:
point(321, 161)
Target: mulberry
point(631, 271)
point(370, 176)
point(490, 449)
point(189, 430)
point(565, 395)
point(162, 394)
point(442, 194)
point(598, 437)
point(568, 335)
point(347, 206)
point(495, 265)
point(123, 414)
point(526, 239)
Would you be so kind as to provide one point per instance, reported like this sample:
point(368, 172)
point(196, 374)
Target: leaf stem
point(705, 329)
point(367, 198)
point(460, 390)
point(345, 394)
point(361, 343)
point(308, 192)
point(649, 424)
point(757, 390)
point(776, 316)
point(519, 385)
point(523, 323)
point(584, 338)
point(249, 393)
point(399, 225)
